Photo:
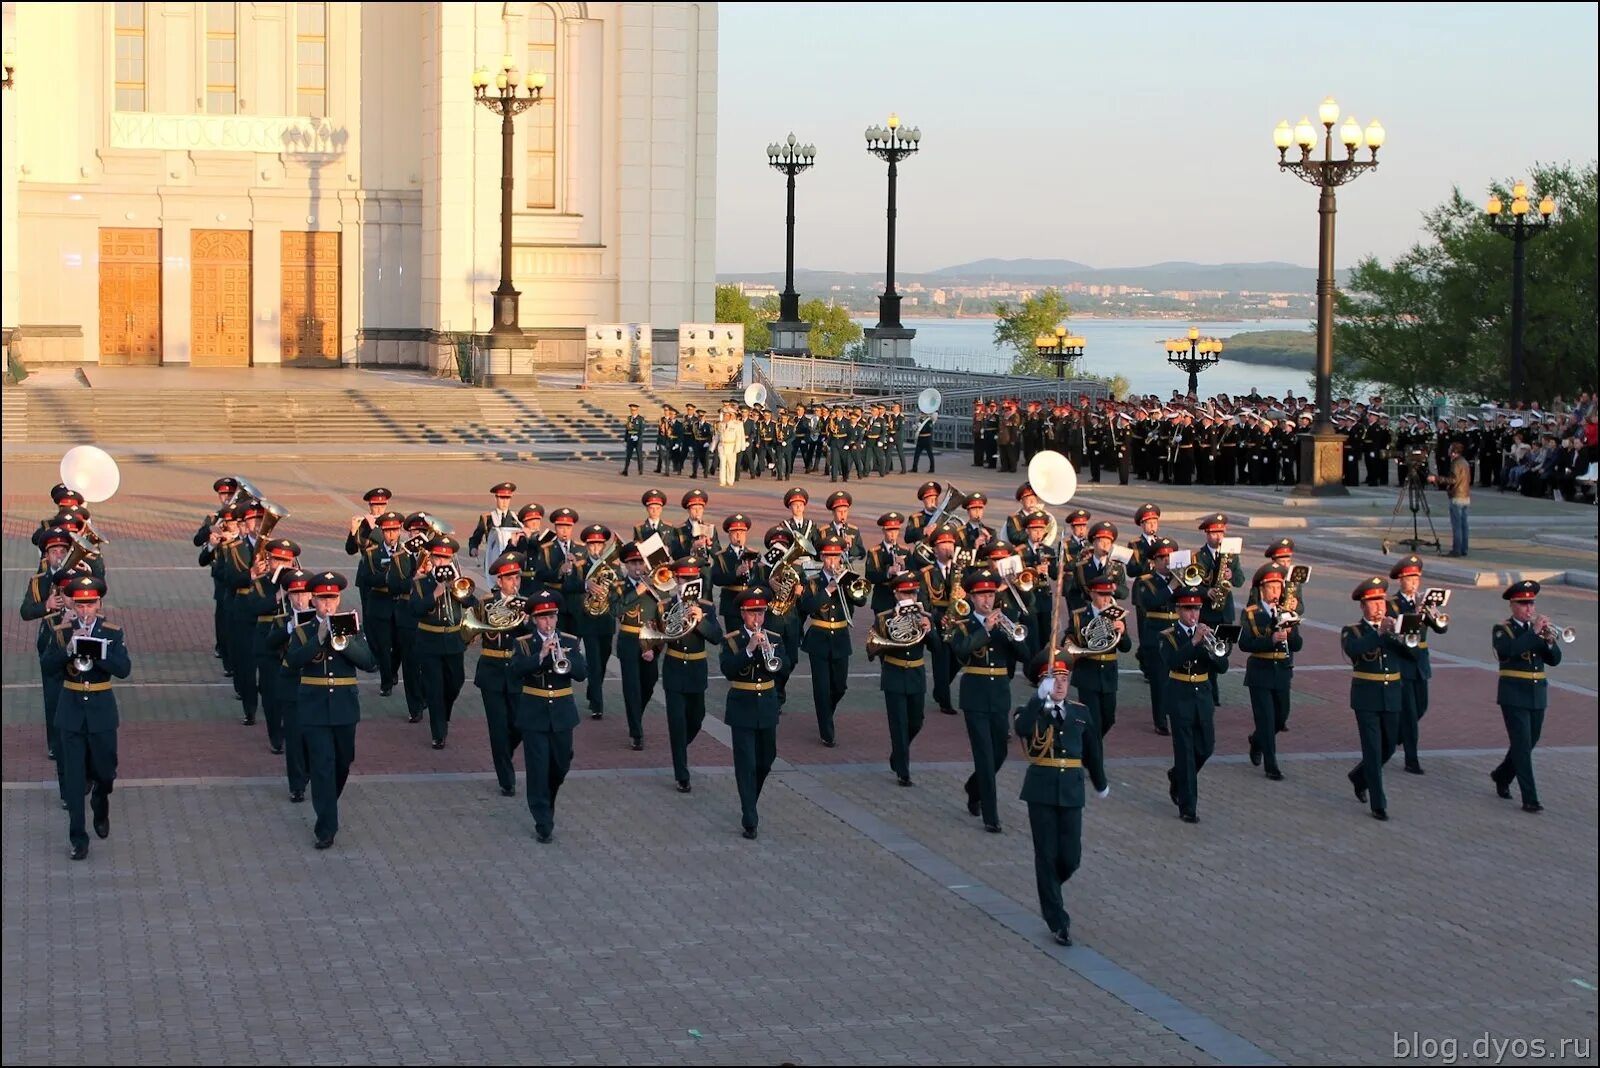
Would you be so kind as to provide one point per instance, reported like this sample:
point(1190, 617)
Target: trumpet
point(769, 655)
point(1009, 627)
point(560, 663)
point(1551, 633)
point(1208, 638)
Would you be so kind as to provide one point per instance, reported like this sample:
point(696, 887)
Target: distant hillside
point(1281, 348)
point(1021, 270)
point(1267, 277)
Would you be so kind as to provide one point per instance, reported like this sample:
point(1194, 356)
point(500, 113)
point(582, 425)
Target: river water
point(1128, 347)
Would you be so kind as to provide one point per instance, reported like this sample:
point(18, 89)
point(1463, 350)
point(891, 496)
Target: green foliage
point(1439, 317)
point(1284, 348)
point(734, 307)
point(833, 332)
point(1016, 325)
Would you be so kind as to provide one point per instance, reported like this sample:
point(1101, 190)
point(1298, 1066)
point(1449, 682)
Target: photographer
point(1459, 484)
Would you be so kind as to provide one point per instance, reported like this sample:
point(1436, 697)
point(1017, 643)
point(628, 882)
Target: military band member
point(799, 528)
point(440, 654)
point(1416, 664)
point(1524, 645)
point(402, 569)
point(921, 524)
point(1375, 650)
point(1060, 740)
point(363, 528)
point(500, 689)
point(237, 558)
point(902, 673)
point(1042, 558)
point(684, 676)
point(842, 529)
point(937, 578)
point(532, 537)
point(1016, 523)
point(633, 439)
point(1156, 609)
point(984, 645)
point(1148, 519)
point(547, 662)
point(1078, 540)
point(265, 603)
point(701, 546)
point(378, 600)
point(924, 446)
point(894, 437)
point(1094, 675)
point(296, 587)
point(752, 659)
point(634, 607)
point(664, 438)
point(495, 527)
point(1281, 554)
point(43, 599)
point(86, 711)
point(734, 569)
point(1095, 564)
point(654, 500)
point(1231, 577)
point(976, 534)
point(1192, 667)
point(581, 589)
point(887, 561)
point(828, 606)
point(559, 558)
point(224, 489)
point(787, 622)
point(222, 533)
point(1269, 671)
point(329, 706)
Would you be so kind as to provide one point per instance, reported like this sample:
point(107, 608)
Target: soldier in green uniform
point(1191, 667)
point(402, 569)
point(684, 675)
point(975, 533)
point(695, 537)
point(937, 581)
point(1016, 530)
point(1281, 555)
point(264, 602)
point(1224, 573)
point(1043, 560)
point(499, 688)
point(1269, 671)
point(237, 558)
point(329, 706)
point(886, 562)
point(378, 602)
point(982, 643)
point(1375, 651)
point(1060, 740)
point(547, 662)
point(559, 559)
point(363, 528)
point(1416, 664)
point(1524, 645)
point(43, 600)
point(86, 711)
point(654, 501)
point(208, 536)
point(839, 503)
point(827, 604)
point(1095, 675)
point(735, 568)
point(752, 660)
point(634, 607)
point(440, 653)
point(497, 526)
point(785, 623)
point(1156, 610)
point(633, 439)
point(1098, 563)
point(596, 631)
point(1148, 519)
point(296, 587)
point(903, 676)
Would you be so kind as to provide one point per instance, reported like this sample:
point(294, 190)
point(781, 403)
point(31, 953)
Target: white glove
point(1103, 793)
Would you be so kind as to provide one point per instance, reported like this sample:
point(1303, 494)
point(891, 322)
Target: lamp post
point(10, 64)
point(1321, 454)
point(1520, 231)
point(892, 144)
point(789, 334)
point(1059, 349)
point(1193, 354)
point(504, 101)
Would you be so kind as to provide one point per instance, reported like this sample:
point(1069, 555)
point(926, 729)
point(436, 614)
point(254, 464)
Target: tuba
point(905, 628)
point(785, 579)
point(273, 515)
point(599, 604)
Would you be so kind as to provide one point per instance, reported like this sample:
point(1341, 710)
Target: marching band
point(947, 597)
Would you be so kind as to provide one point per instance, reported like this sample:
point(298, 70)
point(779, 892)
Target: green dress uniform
point(633, 609)
point(936, 580)
point(86, 722)
point(751, 713)
point(1191, 672)
point(402, 569)
point(34, 598)
point(904, 680)
point(286, 691)
point(986, 706)
point(731, 584)
point(1523, 696)
point(633, 441)
point(235, 562)
point(878, 561)
point(1086, 572)
point(501, 692)
point(379, 615)
point(1416, 668)
point(1375, 699)
point(827, 644)
point(546, 716)
point(596, 632)
point(1094, 676)
point(684, 677)
point(262, 604)
point(1269, 677)
point(329, 708)
point(1060, 742)
point(440, 653)
point(1156, 612)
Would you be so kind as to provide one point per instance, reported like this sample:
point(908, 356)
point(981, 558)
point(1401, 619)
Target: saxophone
point(1221, 588)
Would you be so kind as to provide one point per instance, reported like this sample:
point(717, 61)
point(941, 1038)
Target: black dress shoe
point(905, 780)
point(684, 787)
point(508, 791)
point(1381, 815)
point(385, 691)
point(973, 806)
point(78, 852)
point(324, 843)
point(948, 711)
point(994, 828)
point(248, 721)
point(1415, 769)
point(277, 750)
point(414, 717)
point(1502, 790)
point(636, 744)
point(217, 654)
point(1361, 793)
point(543, 837)
point(829, 742)
point(102, 826)
point(1063, 938)
point(227, 674)
point(297, 796)
point(1527, 806)
point(1189, 817)
point(596, 714)
point(1255, 752)
point(438, 743)
point(50, 754)
point(63, 802)
point(1275, 775)
point(1163, 731)
point(750, 832)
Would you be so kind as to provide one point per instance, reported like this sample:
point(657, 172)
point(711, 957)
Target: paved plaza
point(868, 924)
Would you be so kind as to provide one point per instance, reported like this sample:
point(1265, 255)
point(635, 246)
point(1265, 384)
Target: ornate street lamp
point(10, 63)
point(504, 101)
point(789, 334)
point(1322, 453)
point(1193, 354)
point(892, 143)
point(1059, 349)
point(1520, 230)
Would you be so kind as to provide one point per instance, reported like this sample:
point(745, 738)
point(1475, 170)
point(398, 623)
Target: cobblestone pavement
point(868, 924)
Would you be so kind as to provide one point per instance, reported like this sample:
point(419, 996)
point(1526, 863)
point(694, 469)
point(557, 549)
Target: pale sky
point(1122, 134)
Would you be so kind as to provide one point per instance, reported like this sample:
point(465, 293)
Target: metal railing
point(953, 427)
point(808, 374)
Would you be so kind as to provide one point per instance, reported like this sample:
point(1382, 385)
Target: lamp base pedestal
point(1321, 465)
point(790, 338)
point(889, 344)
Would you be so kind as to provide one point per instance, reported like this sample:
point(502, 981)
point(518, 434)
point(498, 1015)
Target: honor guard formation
point(955, 603)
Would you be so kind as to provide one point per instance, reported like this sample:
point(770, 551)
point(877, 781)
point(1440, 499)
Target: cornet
point(1213, 644)
point(1010, 627)
point(1551, 633)
point(560, 663)
point(769, 655)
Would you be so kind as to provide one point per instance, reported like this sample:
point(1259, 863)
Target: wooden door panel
point(220, 302)
point(310, 285)
point(130, 297)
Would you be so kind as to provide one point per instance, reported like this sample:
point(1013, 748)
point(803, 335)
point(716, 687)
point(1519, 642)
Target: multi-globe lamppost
point(790, 335)
point(891, 143)
point(1520, 230)
point(1322, 453)
point(1193, 354)
point(504, 101)
point(1059, 349)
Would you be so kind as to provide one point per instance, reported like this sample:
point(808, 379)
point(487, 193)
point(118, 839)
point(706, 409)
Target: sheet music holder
point(93, 648)
point(1299, 574)
point(1229, 632)
point(343, 623)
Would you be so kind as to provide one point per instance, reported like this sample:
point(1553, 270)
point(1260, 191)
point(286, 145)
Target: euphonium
point(599, 604)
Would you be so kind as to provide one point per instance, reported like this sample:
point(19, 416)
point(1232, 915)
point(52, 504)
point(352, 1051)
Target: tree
point(833, 332)
point(1017, 325)
point(1439, 317)
point(734, 307)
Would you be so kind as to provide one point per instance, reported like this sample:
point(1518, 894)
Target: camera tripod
point(1415, 496)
